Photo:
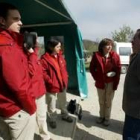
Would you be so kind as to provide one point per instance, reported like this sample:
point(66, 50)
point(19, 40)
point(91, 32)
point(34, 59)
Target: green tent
point(51, 18)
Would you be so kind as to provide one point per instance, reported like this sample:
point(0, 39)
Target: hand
point(111, 74)
point(30, 50)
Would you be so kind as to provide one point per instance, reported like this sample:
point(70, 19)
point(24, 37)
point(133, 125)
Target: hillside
point(90, 46)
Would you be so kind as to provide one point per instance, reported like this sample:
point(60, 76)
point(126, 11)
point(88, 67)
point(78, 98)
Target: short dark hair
point(4, 9)
point(51, 45)
point(103, 43)
point(138, 31)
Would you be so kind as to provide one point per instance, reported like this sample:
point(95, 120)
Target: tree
point(90, 46)
point(125, 34)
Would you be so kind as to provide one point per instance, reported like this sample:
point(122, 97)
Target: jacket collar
point(12, 35)
point(48, 58)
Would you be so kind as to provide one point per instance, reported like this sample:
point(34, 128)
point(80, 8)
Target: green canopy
point(51, 18)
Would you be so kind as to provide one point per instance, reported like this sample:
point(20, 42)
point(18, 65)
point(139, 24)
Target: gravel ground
point(87, 128)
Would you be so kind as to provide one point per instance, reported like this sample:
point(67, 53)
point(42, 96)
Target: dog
point(75, 108)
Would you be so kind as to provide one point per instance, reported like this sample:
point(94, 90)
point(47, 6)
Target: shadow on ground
point(64, 129)
point(85, 135)
point(37, 137)
point(89, 120)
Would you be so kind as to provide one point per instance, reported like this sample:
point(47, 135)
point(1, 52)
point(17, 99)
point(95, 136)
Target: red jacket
point(52, 81)
point(37, 87)
point(97, 69)
point(38, 84)
point(15, 82)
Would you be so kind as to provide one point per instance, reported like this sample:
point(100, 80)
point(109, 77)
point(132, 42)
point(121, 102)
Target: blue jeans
point(131, 130)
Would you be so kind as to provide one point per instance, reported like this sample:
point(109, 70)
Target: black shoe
point(53, 124)
point(100, 120)
point(67, 119)
point(106, 122)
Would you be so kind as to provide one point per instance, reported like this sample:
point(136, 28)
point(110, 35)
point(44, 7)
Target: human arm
point(117, 71)
point(45, 69)
point(17, 78)
point(93, 67)
point(32, 61)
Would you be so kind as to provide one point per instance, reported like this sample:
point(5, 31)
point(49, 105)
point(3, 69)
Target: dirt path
point(87, 129)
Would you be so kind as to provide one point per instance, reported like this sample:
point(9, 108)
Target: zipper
point(6, 44)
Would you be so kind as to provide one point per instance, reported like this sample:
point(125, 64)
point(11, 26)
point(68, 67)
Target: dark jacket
point(52, 81)
point(131, 93)
point(97, 69)
point(15, 82)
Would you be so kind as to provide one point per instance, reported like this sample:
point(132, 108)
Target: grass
point(87, 66)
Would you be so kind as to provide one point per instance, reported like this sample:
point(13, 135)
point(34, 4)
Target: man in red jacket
point(17, 103)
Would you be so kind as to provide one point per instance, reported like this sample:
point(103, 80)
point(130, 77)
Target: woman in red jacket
point(56, 80)
point(37, 83)
point(105, 69)
point(39, 90)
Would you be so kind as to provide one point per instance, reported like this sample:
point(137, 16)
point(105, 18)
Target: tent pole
point(47, 24)
point(38, 1)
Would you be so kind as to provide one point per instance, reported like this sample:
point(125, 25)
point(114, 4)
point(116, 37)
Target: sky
point(97, 19)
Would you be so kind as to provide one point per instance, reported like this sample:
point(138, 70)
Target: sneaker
point(52, 124)
point(100, 120)
point(106, 123)
point(67, 119)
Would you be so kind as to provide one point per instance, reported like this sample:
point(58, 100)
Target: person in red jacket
point(56, 80)
point(105, 69)
point(39, 90)
point(17, 103)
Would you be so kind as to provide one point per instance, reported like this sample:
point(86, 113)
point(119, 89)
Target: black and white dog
point(75, 108)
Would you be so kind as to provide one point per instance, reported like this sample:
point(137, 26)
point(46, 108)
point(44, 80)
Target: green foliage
point(125, 34)
point(90, 46)
point(41, 49)
point(87, 66)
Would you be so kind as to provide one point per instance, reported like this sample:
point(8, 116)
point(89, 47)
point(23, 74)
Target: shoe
point(100, 120)
point(46, 139)
point(52, 124)
point(106, 123)
point(67, 119)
